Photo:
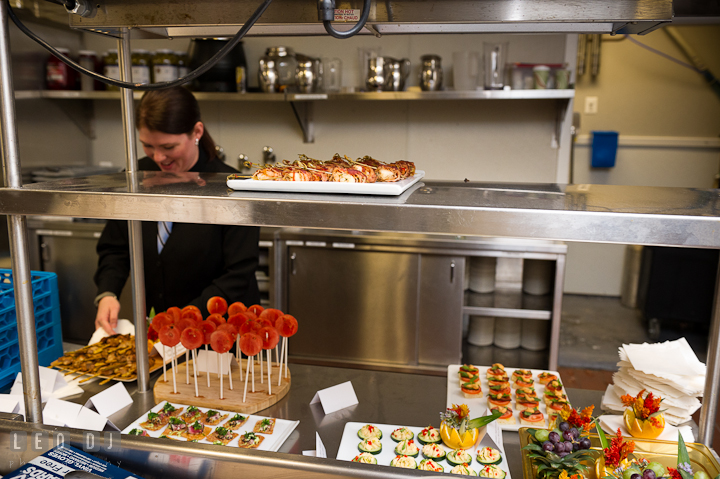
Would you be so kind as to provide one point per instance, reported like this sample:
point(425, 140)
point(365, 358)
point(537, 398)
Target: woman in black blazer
point(196, 261)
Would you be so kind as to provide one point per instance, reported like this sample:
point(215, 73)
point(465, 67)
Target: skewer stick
point(247, 375)
point(238, 353)
point(287, 347)
point(89, 378)
point(187, 367)
point(164, 359)
point(219, 366)
point(253, 377)
point(207, 364)
point(105, 381)
point(261, 368)
point(277, 353)
point(195, 373)
point(269, 363)
point(221, 378)
point(282, 355)
point(229, 358)
point(174, 359)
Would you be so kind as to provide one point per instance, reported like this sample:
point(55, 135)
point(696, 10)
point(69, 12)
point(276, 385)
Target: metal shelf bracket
point(304, 113)
point(82, 113)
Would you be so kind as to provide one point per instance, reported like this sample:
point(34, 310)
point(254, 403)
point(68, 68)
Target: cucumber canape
point(401, 434)
point(407, 448)
point(458, 457)
point(368, 431)
point(463, 470)
point(430, 465)
point(404, 461)
point(371, 445)
point(492, 472)
point(365, 458)
point(429, 435)
point(434, 452)
point(488, 456)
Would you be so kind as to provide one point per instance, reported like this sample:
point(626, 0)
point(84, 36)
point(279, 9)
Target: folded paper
point(336, 398)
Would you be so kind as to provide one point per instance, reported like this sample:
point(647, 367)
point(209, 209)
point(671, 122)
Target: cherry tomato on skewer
point(270, 314)
point(169, 336)
point(265, 323)
point(217, 305)
point(174, 312)
point(250, 344)
point(228, 328)
point(160, 320)
point(235, 308)
point(192, 314)
point(250, 314)
point(191, 338)
point(190, 307)
point(269, 336)
point(216, 318)
point(286, 325)
point(207, 327)
point(221, 342)
point(185, 322)
point(250, 326)
point(237, 320)
point(256, 309)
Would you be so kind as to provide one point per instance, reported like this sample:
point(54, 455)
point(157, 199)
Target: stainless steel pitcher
point(387, 74)
point(431, 73)
point(308, 76)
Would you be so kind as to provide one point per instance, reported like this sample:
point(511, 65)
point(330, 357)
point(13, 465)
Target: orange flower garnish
point(643, 407)
point(618, 451)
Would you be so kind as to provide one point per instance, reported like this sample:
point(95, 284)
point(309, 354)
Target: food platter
point(96, 353)
point(664, 452)
point(348, 448)
point(271, 442)
point(456, 396)
point(379, 188)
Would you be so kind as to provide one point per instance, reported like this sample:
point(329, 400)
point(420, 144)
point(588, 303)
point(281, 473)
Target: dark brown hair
point(174, 111)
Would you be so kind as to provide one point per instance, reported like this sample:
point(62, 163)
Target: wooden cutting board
point(232, 399)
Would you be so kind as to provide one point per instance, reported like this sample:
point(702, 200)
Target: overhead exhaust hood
point(216, 18)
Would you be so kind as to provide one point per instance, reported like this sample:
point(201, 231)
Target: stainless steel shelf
point(508, 303)
point(682, 217)
point(304, 97)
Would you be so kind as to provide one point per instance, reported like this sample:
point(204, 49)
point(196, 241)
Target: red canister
point(59, 76)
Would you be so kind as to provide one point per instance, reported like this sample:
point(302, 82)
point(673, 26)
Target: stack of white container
point(670, 370)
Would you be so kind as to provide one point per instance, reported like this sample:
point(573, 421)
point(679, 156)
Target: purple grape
point(564, 426)
point(575, 433)
point(567, 435)
point(576, 446)
point(585, 443)
point(635, 476)
point(548, 446)
point(563, 454)
point(554, 437)
point(648, 474)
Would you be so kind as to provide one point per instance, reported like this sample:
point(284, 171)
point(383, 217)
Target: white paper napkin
point(663, 359)
point(123, 327)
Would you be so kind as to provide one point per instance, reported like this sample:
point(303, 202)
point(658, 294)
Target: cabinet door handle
point(45, 252)
point(452, 271)
point(292, 263)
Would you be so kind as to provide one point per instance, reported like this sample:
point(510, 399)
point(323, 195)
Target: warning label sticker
point(347, 15)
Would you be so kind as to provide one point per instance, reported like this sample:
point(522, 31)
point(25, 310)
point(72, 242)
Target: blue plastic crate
point(46, 305)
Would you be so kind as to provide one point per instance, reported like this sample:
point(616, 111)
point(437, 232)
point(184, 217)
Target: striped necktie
point(164, 229)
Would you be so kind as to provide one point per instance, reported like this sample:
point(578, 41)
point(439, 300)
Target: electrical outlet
point(591, 105)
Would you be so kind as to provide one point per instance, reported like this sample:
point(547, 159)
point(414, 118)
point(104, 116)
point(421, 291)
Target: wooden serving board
point(232, 399)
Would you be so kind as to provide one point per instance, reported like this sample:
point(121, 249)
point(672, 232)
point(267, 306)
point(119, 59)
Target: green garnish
point(168, 407)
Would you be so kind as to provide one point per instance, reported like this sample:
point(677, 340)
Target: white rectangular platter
point(456, 396)
point(272, 442)
point(378, 188)
point(349, 447)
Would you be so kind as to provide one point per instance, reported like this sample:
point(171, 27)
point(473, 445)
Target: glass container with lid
point(182, 64)
point(58, 75)
point(141, 60)
point(165, 66)
point(89, 60)
point(282, 61)
point(111, 68)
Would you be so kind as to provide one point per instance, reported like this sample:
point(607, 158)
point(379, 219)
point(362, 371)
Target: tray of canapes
point(525, 397)
point(182, 422)
point(418, 448)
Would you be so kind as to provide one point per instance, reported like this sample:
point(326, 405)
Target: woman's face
point(176, 153)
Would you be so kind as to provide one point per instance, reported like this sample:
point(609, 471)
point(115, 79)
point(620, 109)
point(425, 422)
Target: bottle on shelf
point(165, 66)
point(141, 72)
point(111, 68)
point(59, 76)
point(89, 60)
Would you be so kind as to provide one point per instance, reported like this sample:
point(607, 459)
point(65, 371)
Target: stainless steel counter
point(606, 214)
point(384, 397)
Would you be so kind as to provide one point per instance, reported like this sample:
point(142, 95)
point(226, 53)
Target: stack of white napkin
point(670, 370)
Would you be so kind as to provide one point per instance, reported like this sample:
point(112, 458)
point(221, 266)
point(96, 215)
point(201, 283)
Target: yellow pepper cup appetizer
point(643, 417)
point(458, 431)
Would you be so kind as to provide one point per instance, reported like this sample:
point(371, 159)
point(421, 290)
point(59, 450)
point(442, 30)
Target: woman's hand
point(107, 314)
